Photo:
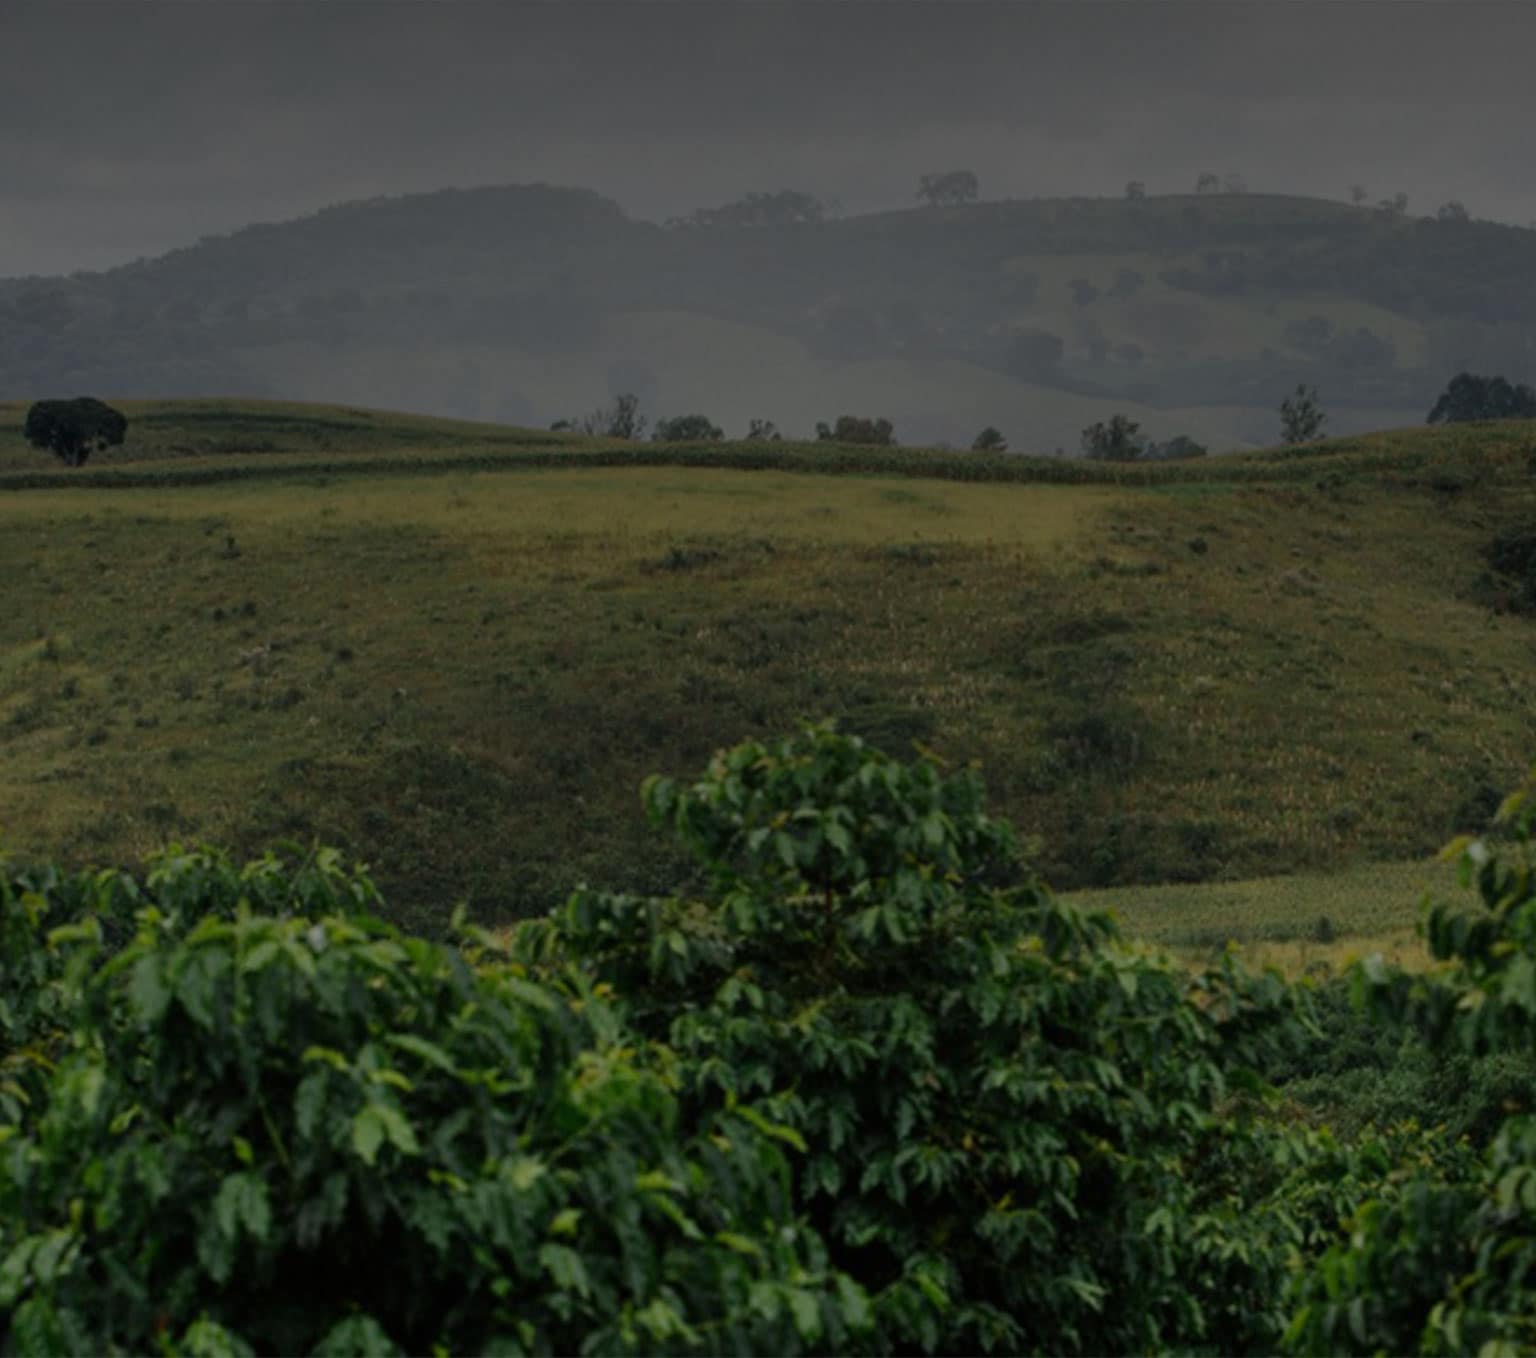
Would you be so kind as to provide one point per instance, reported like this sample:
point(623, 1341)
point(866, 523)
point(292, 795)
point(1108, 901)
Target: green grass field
point(1267, 665)
point(1315, 922)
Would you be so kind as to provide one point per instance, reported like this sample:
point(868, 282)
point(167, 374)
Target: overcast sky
point(129, 127)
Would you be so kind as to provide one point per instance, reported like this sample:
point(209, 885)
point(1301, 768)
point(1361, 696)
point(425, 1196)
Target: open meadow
point(462, 670)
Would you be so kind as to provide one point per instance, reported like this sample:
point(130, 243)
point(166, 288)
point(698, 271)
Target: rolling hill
point(524, 304)
point(456, 649)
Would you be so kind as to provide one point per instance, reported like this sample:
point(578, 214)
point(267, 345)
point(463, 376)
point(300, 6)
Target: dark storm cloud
point(129, 127)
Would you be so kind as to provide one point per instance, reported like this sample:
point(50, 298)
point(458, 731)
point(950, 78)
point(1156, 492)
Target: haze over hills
point(1193, 314)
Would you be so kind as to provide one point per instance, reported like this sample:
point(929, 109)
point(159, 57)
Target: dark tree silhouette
point(1469, 397)
point(72, 430)
point(687, 429)
point(1301, 418)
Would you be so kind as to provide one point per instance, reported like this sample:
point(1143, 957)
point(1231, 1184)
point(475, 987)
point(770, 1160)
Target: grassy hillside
point(524, 304)
point(461, 671)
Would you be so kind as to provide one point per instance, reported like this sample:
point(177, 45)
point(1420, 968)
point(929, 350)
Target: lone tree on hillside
point(1358, 193)
point(1135, 190)
point(1208, 183)
point(990, 440)
point(72, 430)
point(1469, 397)
point(857, 429)
point(687, 429)
point(1119, 440)
point(763, 431)
point(1453, 211)
point(949, 189)
point(1301, 418)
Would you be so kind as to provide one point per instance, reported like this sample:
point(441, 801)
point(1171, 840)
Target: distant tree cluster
point(990, 440)
point(857, 429)
point(763, 431)
point(786, 207)
point(950, 188)
point(687, 429)
point(1469, 397)
point(72, 430)
point(621, 419)
point(1119, 439)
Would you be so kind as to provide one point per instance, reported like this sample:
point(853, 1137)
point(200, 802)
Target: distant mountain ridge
point(527, 303)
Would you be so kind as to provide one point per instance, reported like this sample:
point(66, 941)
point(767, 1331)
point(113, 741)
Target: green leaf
point(242, 1204)
point(368, 1133)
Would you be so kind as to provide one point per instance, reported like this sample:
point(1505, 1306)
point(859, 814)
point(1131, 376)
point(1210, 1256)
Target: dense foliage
point(1007, 1110)
point(268, 1122)
point(72, 430)
point(872, 1088)
point(1447, 1263)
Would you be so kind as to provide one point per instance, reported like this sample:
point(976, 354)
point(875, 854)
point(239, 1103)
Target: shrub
point(302, 1131)
point(1005, 1108)
point(990, 440)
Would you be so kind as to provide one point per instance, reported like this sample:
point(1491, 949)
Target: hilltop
point(1194, 314)
point(456, 650)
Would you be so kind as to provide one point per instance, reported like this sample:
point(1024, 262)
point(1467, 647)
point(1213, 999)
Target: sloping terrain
point(462, 670)
point(522, 305)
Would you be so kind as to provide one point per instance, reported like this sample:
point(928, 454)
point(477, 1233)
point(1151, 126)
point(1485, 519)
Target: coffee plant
point(872, 1088)
point(1007, 1110)
point(239, 1114)
point(1445, 1262)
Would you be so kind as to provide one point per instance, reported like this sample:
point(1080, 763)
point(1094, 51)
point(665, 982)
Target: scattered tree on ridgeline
point(1358, 194)
point(1469, 397)
point(1395, 206)
point(1120, 440)
point(786, 207)
point(1453, 211)
point(1117, 440)
point(1234, 183)
point(990, 440)
point(763, 431)
point(72, 430)
point(857, 429)
point(1301, 418)
point(621, 419)
point(687, 429)
point(1135, 190)
point(1208, 183)
point(949, 189)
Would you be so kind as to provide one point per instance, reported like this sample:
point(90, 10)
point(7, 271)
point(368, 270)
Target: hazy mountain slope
point(529, 303)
